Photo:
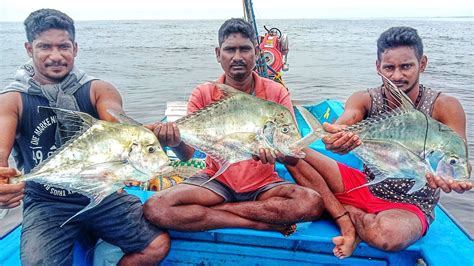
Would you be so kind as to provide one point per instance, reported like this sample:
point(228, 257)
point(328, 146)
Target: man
point(248, 194)
point(54, 80)
point(383, 214)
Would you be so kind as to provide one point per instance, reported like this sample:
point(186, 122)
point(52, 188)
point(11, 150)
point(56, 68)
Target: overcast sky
point(18, 10)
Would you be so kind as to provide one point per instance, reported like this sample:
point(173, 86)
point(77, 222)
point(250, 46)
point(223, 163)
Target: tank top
point(35, 139)
point(395, 189)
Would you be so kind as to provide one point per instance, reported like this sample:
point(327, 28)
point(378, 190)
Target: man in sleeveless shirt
point(52, 79)
point(383, 214)
point(248, 194)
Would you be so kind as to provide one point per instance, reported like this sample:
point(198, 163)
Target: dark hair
point(45, 19)
point(236, 25)
point(400, 36)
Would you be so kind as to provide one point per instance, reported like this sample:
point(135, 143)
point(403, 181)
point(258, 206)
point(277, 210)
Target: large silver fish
point(101, 155)
point(231, 129)
point(406, 144)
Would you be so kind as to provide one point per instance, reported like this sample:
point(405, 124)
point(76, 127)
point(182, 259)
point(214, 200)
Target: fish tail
point(317, 131)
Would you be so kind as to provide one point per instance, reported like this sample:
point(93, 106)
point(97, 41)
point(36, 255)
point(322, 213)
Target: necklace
point(417, 101)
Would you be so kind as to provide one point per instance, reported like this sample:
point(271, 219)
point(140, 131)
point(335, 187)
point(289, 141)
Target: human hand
point(449, 184)
point(340, 141)
point(167, 133)
point(266, 155)
point(10, 194)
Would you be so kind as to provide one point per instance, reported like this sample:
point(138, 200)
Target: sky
point(18, 10)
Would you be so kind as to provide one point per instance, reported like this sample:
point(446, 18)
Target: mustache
point(396, 82)
point(238, 63)
point(55, 64)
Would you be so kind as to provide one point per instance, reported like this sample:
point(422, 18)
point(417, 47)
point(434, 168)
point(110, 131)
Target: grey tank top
point(395, 189)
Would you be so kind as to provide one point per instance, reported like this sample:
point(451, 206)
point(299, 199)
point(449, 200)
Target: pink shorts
point(363, 199)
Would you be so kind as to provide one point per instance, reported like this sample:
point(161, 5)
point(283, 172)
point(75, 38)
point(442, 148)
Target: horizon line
point(218, 19)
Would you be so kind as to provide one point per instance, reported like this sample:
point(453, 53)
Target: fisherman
point(384, 215)
point(53, 80)
point(249, 194)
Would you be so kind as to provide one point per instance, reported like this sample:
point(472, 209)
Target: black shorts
point(227, 193)
point(118, 219)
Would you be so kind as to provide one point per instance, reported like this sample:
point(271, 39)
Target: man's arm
point(10, 194)
point(104, 96)
point(356, 108)
point(449, 111)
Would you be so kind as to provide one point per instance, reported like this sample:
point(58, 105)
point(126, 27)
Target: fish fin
point(80, 118)
point(221, 170)
point(91, 205)
point(315, 126)
point(419, 184)
point(78, 123)
point(97, 191)
point(399, 96)
point(227, 93)
point(123, 118)
point(226, 89)
point(379, 177)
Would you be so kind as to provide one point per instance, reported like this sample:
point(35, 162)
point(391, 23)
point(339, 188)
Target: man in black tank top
point(119, 218)
point(383, 214)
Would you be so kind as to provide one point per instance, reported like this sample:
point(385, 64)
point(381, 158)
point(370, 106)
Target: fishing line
point(426, 136)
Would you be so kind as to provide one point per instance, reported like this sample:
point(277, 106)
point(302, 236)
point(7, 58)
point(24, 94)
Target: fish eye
point(453, 161)
point(285, 129)
point(151, 149)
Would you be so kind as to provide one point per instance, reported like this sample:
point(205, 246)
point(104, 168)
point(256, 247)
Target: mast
point(249, 16)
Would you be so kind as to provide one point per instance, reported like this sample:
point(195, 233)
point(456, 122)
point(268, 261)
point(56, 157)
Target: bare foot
point(344, 246)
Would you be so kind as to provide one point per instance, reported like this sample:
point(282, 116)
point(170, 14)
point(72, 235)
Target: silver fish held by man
point(404, 143)
point(232, 129)
point(100, 156)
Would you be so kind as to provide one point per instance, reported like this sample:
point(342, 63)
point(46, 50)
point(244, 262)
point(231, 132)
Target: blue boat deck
point(445, 242)
point(309, 245)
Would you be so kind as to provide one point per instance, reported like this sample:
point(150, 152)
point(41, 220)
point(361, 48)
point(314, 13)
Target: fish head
point(449, 165)
point(147, 156)
point(281, 133)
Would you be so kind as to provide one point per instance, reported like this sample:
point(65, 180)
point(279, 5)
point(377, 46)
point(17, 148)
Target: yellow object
point(327, 113)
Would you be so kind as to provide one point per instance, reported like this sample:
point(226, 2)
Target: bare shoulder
point(101, 87)
point(104, 96)
point(446, 106)
point(449, 111)
point(359, 102)
point(10, 103)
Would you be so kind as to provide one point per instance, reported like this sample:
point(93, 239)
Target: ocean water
point(152, 62)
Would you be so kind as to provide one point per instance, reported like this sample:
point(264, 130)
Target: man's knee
point(385, 234)
point(158, 248)
point(309, 203)
point(155, 211)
